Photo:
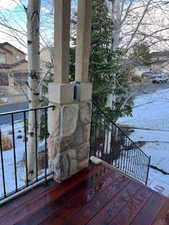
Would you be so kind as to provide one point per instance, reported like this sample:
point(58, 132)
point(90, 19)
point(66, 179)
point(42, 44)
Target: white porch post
point(83, 40)
point(69, 122)
point(61, 40)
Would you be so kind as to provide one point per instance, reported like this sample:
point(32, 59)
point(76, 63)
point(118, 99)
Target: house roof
point(10, 66)
point(5, 49)
point(2, 46)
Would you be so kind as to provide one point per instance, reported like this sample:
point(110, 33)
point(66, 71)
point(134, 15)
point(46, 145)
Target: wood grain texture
point(98, 195)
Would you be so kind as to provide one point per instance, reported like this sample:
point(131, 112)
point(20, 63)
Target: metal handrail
point(114, 124)
point(120, 151)
point(27, 110)
point(41, 168)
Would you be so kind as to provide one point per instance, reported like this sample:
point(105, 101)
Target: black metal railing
point(110, 143)
point(14, 167)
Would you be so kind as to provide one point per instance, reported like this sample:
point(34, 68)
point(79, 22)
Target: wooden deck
point(96, 196)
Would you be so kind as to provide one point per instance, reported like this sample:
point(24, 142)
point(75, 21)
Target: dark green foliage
point(43, 127)
point(72, 64)
point(105, 70)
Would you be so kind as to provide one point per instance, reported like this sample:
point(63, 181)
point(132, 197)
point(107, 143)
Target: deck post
point(83, 40)
point(69, 122)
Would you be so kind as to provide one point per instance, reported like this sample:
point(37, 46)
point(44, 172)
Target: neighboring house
point(134, 67)
point(160, 61)
point(12, 61)
point(139, 69)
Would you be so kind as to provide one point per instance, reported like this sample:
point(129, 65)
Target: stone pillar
point(69, 129)
point(69, 123)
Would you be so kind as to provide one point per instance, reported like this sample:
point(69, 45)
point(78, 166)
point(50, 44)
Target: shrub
point(6, 143)
point(137, 79)
point(10, 132)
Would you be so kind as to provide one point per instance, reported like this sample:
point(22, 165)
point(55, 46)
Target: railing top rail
point(27, 110)
point(114, 124)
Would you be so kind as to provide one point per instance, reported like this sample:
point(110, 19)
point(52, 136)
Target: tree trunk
point(116, 19)
point(33, 24)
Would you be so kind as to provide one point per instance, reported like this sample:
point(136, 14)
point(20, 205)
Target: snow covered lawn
point(8, 158)
point(151, 122)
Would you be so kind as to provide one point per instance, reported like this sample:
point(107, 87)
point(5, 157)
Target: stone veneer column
point(69, 128)
point(69, 123)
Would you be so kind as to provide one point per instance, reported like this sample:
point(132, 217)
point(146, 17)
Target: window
point(17, 58)
point(2, 59)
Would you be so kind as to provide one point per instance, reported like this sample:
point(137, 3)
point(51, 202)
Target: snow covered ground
point(151, 124)
point(8, 159)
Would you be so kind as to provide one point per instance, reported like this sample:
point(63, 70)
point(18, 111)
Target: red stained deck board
point(111, 210)
point(150, 210)
point(132, 207)
point(75, 199)
point(98, 202)
point(96, 196)
point(163, 217)
point(41, 200)
point(94, 200)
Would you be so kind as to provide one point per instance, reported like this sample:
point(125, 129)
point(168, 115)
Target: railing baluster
point(13, 116)
point(2, 165)
point(46, 136)
point(14, 151)
point(149, 161)
point(123, 153)
point(36, 143)
point(26, 153)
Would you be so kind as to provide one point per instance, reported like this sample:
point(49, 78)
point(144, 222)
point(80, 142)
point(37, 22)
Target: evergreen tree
point(105, 70)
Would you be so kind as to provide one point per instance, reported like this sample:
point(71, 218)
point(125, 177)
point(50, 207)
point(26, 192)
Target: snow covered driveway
point(151, 124)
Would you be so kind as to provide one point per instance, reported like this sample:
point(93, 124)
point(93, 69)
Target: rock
point(85, 113)
point(19, 137)
point(69, 118)
point(83, 152)
point(64, 165)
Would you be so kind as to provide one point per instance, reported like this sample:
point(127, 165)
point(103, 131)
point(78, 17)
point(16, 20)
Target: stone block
point(86, 133)
point(60, 93)
point(85, 112)
point(53, 146)
point(83, 164)
point(69, 119)
point(83, 152)
point(54, 121)
point(64, 165)
point(85, 91)
point(78, 136)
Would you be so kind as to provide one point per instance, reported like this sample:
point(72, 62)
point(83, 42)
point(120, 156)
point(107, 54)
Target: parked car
point(148, 74)
point(160, 78)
